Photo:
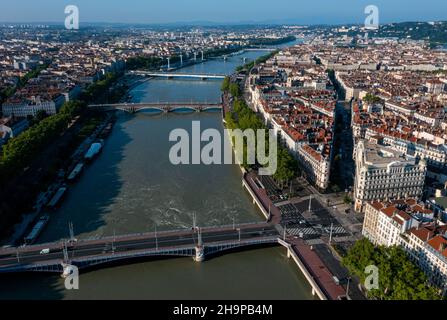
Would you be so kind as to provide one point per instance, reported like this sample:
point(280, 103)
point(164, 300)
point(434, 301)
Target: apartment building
point(385, 221)
point(413, 227)
point(30, 108)
point(315, 164)
point(426, 245)
point(383, 174)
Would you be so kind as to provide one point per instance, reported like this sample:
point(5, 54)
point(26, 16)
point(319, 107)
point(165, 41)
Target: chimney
point(442, 246)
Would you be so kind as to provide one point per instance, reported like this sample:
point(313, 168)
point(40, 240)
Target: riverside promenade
point(317, 274)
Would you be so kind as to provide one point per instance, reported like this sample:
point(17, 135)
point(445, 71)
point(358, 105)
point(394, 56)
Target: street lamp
point(330, 234)
point(156, 239)
point(113, 241)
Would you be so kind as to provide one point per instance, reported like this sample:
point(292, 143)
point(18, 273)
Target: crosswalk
point(302, 231)
point(309, 231)
point(336, 230)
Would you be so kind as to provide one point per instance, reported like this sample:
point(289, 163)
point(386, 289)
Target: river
point(132, 187)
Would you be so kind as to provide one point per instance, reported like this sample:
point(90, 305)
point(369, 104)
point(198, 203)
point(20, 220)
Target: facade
point(439, 206)
point(384, 174)
point(11, 127)
point(315, 166)
point(385, 221)
point(426, 245)
point(410, 225)
point(28, 109)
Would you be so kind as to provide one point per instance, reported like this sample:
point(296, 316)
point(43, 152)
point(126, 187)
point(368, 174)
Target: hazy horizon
point(230, 12)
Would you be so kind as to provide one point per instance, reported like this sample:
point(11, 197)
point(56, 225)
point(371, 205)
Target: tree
point(371, 99)
point(40, 115)
point(347, 199)
point(225, 84)
point(287, 167)
point(234, 89)
point(399, 277)
point(19, 151)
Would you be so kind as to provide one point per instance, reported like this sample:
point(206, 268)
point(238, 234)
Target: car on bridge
point(45, 251)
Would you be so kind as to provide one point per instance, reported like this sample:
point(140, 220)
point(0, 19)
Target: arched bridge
point(172, 75)
point(160, 106)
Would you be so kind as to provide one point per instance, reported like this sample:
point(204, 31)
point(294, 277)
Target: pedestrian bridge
point(158, 106)
point(172, 75)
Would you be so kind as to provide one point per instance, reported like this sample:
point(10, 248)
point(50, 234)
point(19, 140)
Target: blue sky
point(222, 11)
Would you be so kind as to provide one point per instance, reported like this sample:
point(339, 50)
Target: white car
point(45, 251)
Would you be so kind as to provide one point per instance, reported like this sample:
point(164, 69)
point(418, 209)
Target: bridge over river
point(172, 75)
point(195, 242)
point(160, 106)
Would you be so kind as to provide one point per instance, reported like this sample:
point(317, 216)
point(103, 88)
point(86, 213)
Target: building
point(426, 245)
point(439, 206)
point(315, 164)
point(383, 174)
point(413, 227)
point(11, 127)
point(385, 221)
point(29, 109)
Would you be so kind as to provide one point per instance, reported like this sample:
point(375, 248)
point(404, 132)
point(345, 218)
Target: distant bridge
point(160, 106)
point(171, 75)
point(261, 49)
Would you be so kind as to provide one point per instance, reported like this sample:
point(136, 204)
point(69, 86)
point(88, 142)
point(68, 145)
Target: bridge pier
point(68, 270)
point(200, 254)
point(200, 249)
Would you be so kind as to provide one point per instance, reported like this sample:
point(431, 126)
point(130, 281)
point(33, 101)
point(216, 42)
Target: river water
point(132, 187)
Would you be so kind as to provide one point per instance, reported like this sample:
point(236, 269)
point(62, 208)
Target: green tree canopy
point(399, 277)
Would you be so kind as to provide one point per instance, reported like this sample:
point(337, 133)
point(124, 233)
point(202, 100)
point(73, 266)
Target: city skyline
point(211, 12)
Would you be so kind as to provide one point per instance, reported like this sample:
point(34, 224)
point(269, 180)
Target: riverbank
point(43, 199)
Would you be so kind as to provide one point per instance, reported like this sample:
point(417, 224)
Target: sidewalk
point(335, 267)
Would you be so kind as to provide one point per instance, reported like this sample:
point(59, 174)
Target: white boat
point(76, 171)
point(94, 149)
